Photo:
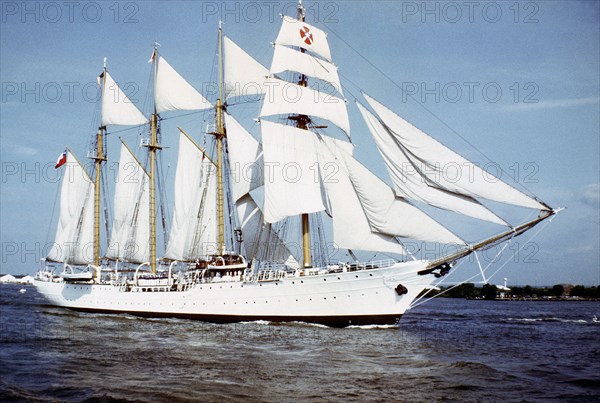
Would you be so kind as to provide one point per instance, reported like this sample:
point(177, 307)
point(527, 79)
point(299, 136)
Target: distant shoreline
point(532, 299)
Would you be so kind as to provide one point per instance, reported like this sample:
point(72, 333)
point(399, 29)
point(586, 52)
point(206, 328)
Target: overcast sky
point(518, 81)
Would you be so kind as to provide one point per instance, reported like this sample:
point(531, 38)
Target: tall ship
point(251, 216)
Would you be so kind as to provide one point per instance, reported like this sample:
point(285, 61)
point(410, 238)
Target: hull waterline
point(365, 297)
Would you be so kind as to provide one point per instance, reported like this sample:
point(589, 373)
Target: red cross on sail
point(306, 35)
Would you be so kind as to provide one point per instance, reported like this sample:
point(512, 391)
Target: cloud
point(581, 249)
point(591, 195)
point(18, 150)
point(551, 104)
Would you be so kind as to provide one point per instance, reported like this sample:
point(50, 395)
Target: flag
point(62, 159)
point(153, 56)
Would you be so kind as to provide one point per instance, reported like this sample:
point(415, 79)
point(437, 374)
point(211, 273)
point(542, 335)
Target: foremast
point(302, 123)
point(220, 135)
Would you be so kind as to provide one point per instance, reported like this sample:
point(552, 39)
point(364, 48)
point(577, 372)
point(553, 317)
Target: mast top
point(105, 63)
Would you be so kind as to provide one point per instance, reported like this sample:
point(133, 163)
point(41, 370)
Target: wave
point(551, 319)
point(371, 327)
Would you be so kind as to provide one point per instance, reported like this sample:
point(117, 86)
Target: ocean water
point(445, 350)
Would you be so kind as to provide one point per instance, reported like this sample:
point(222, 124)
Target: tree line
point(490, 291)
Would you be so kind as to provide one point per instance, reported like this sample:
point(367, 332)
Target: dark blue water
point(448, 349)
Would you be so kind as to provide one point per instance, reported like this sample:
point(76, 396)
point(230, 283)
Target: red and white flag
point(153, 56)
point(62, 159)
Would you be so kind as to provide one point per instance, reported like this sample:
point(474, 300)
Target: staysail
point(408, 183)
point(129, 240)
point(245, 159)
point(348, 181)
point(73, 242)
point(431, 157)
point(194, 230)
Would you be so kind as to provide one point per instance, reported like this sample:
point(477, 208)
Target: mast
point(302, 123)
point(152, 148)
point(220, 134)
point(98, 158)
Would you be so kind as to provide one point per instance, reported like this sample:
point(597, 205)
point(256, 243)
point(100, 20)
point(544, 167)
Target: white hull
point(337, 299)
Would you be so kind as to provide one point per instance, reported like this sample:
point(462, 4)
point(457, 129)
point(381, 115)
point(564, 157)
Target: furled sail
point(410, 184)
point(173, 92)
point(129, 239)
point(303, 35)
point(287, 59)
point(117, 108)
point(431, 158)
point(245, 159)
point(74, 240)
point(194, 230)
point(285, 98)
point(292, 184)
point(243, 75)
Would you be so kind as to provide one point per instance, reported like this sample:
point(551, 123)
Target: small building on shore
point(8, 278)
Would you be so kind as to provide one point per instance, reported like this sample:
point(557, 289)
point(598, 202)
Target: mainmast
point(152, 148)
point(220, 135)
point(302, 123)
point(98, 158)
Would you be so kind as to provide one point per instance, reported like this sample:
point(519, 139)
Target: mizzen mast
point(98, 157)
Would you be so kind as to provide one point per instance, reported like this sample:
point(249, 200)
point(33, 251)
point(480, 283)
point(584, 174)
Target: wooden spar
point(503, 236)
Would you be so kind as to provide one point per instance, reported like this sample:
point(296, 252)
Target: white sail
point(292, 184)
point(410, 184)
point(194, 229)
point(287, 59)
point(390, 215)
point(173, 92)
point(433, 159)
point(259, 237)
point(74, 239)
point(245, 159)
point(303, 35)
point(117, 108)
point(351, 229)
point(130, 235)
point(243, 75)
point(285, 98)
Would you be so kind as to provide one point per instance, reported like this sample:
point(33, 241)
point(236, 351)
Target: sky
point(511, 84)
